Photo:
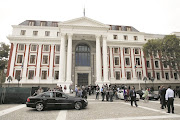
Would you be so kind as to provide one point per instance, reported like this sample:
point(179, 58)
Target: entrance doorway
point(83, 79)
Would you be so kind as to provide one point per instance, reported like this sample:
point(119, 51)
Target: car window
point(60, 95)
point(48, 95)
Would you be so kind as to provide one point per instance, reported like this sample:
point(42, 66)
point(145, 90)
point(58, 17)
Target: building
point(82, 51)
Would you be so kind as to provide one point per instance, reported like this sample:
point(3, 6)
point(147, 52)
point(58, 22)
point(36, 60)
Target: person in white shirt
point(170, 99)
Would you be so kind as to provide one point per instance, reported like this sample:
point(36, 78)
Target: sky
point(149, 16)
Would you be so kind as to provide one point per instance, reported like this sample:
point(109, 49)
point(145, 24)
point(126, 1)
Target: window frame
point(46, 74)
point(159, 76)
point(31, 48)
point(117, 50)
point(119, 75)
point(30, 58)
point(47, 60)
point(23, 32)
point(129, 61)
point(125, 51)
point(47, 33)
point(55, 59)
point(29, 72)
point(35, 33)
point(44, 48)
point(127, 75)
point(56, 48)
point(15, 73)
point(115, 60)
point(19, 47)
point(125, 37)
point(17, 58)
point(55, 74)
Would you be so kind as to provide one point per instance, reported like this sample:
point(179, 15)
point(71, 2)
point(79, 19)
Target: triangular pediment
point(84, 21)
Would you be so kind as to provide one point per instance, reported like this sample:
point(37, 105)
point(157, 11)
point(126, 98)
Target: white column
point(98, 60)
point(25, 63)
point(12, 60)
point(51, 63)
point(62, 59)
point(122, 64)
point(105, 66)
point(38, 62)
point(143, 63)
point(69, 58)
point(133, 64)
point(111, 63)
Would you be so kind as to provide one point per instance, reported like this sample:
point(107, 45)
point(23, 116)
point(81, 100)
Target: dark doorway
point(82, 79)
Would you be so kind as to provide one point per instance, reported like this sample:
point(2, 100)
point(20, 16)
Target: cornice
point(34, 27)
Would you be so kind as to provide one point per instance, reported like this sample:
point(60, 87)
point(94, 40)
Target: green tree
point(4, 49)
point(168, 49)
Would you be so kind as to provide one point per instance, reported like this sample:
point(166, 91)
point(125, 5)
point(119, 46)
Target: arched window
point(82, 55)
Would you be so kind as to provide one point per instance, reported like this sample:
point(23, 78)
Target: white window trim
point(56, 48)
point(126, 53)
point(114, 50)
point(114, 61)
point(17, 58)
point(48, 50)
point(147, 75)
point(21, 50)
point(177, 76)
point(139, 60)
point(54, 74)
point(28, 74)
point(15, 72)
point(47, 74)
point(30, 58)
point(126, 36)
point(165, 75)
point(119, 74)
point(138, 74)
point(36, 48)
point(159, 74)
point(126, 75)
point(42, 59)
point(24, 33)
point(138, 50)
point(155, 64)
point(55, 59)
point(48, 34)
point(125, 61)
point(149, 64)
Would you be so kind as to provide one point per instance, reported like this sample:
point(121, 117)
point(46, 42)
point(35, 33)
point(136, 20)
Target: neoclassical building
point(82, 51)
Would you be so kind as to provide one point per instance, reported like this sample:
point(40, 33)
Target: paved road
point(96, 110)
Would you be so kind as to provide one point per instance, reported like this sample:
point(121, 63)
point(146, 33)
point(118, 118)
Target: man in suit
point(163, 93)
point(133, 96)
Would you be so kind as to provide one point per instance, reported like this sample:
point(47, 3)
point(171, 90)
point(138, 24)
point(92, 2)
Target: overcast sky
point(149, 16)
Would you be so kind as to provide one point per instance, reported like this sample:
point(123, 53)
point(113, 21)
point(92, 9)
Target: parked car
point(121, 96)
point(153, 95)
point(140, 92)
point(55, 99)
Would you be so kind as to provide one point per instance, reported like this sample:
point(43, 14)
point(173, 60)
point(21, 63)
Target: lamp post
point(145, 79)
point(9, 79)
point(18, 79)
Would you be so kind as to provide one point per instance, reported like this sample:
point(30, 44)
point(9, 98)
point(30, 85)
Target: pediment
point(84, 21)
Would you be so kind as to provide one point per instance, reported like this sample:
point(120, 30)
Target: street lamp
point(18, 79)
point(9, 79)
point(145, 79)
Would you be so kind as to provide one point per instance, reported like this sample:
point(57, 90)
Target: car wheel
point(39, 106)
point(78, 105)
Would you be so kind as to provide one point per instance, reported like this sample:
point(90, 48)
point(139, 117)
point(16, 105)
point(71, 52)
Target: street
point(96, 110)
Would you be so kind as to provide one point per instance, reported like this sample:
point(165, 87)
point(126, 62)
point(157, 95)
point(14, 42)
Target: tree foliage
point(168, 49)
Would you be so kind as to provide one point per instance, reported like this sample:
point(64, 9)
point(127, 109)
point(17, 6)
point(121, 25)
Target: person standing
point(163, 93)
point(102, 93)
point(133, 96)
point(170, 99)
point(146, 95)
point(111, 93)
point(97, 92)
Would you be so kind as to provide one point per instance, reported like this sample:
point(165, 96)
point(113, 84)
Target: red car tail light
point(28, 100)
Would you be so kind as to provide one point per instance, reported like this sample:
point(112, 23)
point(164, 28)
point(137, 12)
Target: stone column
point(69, 58)
point(12, 60)
point(122, 64)
point(143, 64)
point(98, 61)
point(111, 64)
point(62, 59)
point(105, 66)
point(25, 62)
point(38, 62)
point(133, 64)
point(51, 63)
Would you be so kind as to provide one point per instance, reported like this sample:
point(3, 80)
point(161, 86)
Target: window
point(117, 75)
point(128, 28)
point(45, 59)
point(47, 95)
point(136, 50)
point(31, 23)
point(33, 47)
point(56, 75)
point(149, 75)
point(116, 60)
point(125, 37)
point(57, 60)
point(44, 74)
point(116, 50)
point(58, 33)
point(127, 60)
point(135, 38)
point(19, 58)
point(32, 59)
point(47, 33)
point(165, 65)
point(138, 61)
point(158, 76)
point(35, 33)
point(31, 74)
point(57, 48)
point(115, 37)
point(139, 76)
point(156, 64)
point(148, 64)
point(46, 48)
point(175, 76)
point(17, 74)
point(128, 75)
point(54, 24)
point(167, 76)
point(60, 95)
point(23, 32)
point(21, 47)
point(120, 28)
point(126, 50)
point(43, 23)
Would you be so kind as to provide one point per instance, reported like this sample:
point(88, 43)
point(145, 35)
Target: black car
point(55, 99)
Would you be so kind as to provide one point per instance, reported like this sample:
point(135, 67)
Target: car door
point(61, 100)
point(49, 99)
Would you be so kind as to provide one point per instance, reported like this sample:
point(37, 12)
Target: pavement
point(96, 110)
